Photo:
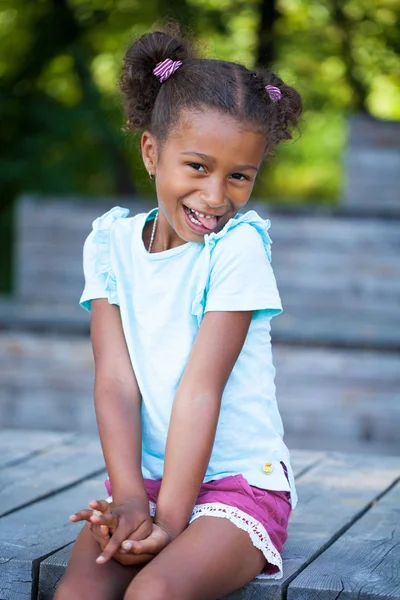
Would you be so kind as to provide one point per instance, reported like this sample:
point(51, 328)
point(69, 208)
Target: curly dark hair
point(224, 86)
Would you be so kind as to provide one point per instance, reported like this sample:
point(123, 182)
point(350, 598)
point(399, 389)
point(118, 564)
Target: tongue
point(209, 223)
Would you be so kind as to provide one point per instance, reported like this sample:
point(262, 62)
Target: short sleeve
point(241, 276)
point(100, 281)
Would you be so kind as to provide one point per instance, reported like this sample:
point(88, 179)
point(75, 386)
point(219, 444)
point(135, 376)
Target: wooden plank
point(62, 465)
point(367, 131)
point(17, 446)
point(29, 535)
point(303, 460)
point(363, 563)
point(51, 571)
point(331, 497)
point(334, 398)
point(336, 327)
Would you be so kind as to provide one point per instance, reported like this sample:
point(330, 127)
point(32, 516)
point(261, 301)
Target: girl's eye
point(239, 177)
point(197, 166)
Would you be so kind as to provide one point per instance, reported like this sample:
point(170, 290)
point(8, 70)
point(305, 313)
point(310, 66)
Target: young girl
point(181, 302)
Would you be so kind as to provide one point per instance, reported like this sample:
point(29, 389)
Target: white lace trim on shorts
point(257, 532)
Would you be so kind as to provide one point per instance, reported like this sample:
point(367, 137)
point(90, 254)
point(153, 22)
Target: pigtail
point(139, 86)
point(285, 110)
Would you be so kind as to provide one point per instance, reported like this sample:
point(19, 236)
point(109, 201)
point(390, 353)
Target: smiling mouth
point(207, 222)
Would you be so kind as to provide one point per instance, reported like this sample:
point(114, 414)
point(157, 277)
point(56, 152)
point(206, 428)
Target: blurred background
point(333, 196)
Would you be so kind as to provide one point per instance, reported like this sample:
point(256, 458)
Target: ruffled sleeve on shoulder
point(100, 281)
point(236, 273)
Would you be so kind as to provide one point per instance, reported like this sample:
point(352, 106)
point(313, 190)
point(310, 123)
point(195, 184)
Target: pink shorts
point(263, 514)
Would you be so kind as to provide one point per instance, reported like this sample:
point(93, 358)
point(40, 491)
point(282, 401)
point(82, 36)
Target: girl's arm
point(195, 415)
point(117, 402)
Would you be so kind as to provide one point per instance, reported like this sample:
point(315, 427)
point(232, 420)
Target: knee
point(76, 588)
point(154, 587)
point(66, 590)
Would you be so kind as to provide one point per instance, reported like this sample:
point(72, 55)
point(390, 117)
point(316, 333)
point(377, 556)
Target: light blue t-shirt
point(163, 297)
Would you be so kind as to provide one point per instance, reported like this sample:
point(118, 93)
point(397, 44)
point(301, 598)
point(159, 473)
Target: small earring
point(151, 175)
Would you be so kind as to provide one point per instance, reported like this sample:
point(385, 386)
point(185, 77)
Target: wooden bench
point(372, 164)
point(344, 536)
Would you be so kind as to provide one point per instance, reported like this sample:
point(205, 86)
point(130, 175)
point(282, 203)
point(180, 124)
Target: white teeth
point(194, 220)
point(199, 214)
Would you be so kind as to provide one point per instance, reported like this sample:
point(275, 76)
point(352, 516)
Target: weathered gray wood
point(46, 382)
point(363, 563)
point(341, 328)
point(303, 460)
point(61, 316)
point(61, 465)
point(51, 571)
point(49, 247)
point(32, 533)
point(16, 447)
point(332, 495)
point(339, 399)
point(372, 162)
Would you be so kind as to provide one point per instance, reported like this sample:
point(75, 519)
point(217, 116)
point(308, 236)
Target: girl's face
point(204, 173)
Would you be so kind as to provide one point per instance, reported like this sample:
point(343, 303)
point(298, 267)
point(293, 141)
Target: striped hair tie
point(166, 68)
point(274, 93)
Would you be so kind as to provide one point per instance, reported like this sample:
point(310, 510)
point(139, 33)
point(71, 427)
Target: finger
point(103, 541)
point(110, 520)
point(82, 515)
point(101, 505)
point(110, 549)
point(99, 530)
point(101, 538)
point(148, 546)
point(142, 532)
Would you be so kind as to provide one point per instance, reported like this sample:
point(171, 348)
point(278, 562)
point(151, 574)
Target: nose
point(213, 194)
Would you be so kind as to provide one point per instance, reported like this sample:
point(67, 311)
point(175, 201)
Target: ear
point(149, 152)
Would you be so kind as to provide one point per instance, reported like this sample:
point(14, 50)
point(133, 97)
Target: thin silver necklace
point(153, 231)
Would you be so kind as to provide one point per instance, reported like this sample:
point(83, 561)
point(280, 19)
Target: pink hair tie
point(274, 93)
point(166, 68)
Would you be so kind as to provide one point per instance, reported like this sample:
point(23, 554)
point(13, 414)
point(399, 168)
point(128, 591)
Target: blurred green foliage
point(60, 108)
point(61, 125)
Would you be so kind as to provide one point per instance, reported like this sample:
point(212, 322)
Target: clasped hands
point(125, 532)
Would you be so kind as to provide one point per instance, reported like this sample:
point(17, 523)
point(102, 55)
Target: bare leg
point(211, 558)
point(84, 578)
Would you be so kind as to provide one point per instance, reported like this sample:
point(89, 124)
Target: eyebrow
point(212, 159)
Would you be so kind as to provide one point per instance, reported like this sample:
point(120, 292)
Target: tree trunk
point(360, 90)
point(266, 40)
